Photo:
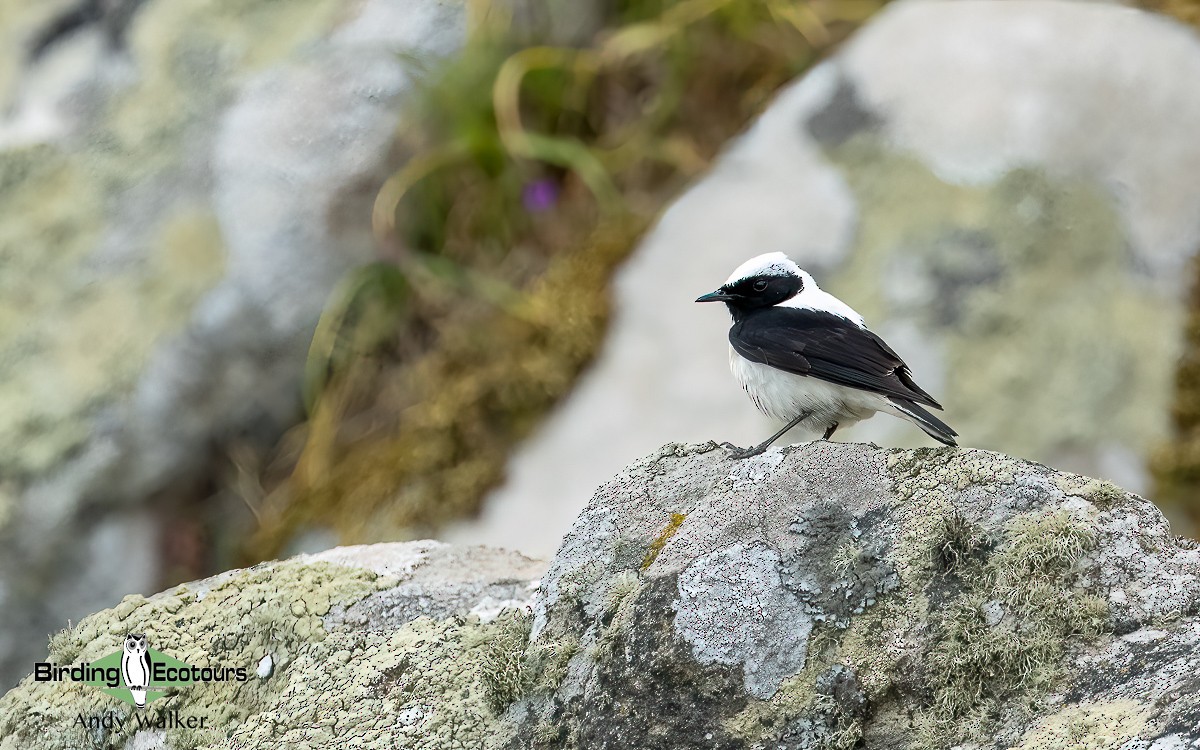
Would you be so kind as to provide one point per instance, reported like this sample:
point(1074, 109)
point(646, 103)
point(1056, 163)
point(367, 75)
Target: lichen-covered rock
point(825, 596)
point(412, 645)
point(838, 596)
point(182, 182)
point(1006, 191)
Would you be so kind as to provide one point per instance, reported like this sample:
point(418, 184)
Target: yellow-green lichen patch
point(190, 53)
point(661, 540)
point(73, 340)
point(1003, 258)
point(930, 479)
point(766, 720)
point(233, 621)
point(431, 685)
point(810, 697)
point(1088, 726)
point(936, 474)
point(50, 213)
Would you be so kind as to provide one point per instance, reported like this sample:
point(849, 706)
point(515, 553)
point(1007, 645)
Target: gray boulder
point(1005, 190)
point(821, 596)
point(836, 596)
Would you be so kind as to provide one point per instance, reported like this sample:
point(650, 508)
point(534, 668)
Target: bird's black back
point(826, 346)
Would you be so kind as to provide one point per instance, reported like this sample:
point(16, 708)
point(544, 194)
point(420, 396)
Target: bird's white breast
point(782, 395)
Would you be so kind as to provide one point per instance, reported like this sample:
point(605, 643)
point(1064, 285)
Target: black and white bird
point(806, 358)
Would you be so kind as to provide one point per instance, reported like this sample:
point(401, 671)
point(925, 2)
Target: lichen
point(82, 336)
point(617, 613)
point(1088, 726)
point(1002, 639)
point(429, 684)
point(544, 664)
point(980, 622)
point(1104, 495)
point(810, 706)
point(767, 719)
point(661, 540)
point(1002, 257)
point(233, 622)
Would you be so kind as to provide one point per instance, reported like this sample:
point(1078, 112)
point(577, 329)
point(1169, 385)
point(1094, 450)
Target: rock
point(183, 183)
point(821, 596)
point(386, 643)
point(1005, 190)
point(834, 596)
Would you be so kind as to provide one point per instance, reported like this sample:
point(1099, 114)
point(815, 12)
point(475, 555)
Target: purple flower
point(539, 195)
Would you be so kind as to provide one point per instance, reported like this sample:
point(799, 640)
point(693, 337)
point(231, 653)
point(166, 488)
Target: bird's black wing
point(825, 346)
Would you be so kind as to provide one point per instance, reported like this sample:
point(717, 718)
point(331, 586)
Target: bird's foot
point(737, 454)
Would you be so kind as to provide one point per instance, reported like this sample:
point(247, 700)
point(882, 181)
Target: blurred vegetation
point(1187, 11)
point(1176, 464)
point(529, 173)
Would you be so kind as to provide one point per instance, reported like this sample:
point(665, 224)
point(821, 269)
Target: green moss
point(661, 540)
point(501, 650)
point(981, 620)
point(959, 544)
point(465, 404)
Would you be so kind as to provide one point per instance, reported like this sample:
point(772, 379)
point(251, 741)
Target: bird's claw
point(737, 454)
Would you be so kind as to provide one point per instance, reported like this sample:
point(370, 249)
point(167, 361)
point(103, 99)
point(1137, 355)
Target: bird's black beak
point(717, 296)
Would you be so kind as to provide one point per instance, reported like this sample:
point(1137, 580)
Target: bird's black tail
point(933, 427)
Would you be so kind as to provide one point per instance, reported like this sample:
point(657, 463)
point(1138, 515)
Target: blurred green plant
point(1176, 464)
point(529, 173)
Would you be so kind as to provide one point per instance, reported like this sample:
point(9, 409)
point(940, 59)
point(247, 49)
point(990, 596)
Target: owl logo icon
point(136, 667)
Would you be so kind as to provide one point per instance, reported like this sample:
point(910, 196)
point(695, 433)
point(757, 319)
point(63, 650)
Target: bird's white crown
point(810, 296)
point(768, 264)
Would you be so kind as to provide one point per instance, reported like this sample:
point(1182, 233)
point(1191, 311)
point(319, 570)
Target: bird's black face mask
point(756, 291)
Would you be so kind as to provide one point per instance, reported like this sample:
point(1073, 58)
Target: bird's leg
point(829, 433)
point(740, 453)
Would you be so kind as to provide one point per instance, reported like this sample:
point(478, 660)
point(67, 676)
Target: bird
point(805, 357)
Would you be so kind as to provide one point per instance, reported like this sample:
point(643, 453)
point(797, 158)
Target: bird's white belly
point(782, 395)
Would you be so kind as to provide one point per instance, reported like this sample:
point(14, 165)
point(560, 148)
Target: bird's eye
point(760, 286)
